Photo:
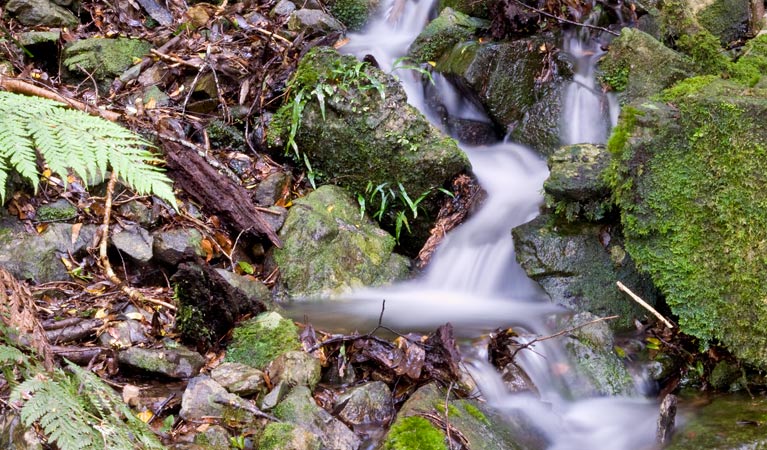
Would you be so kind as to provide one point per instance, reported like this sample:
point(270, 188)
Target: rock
point(203, 398)
point(103, 58)
point(272, 188)
point(590, 348)
point(262, 339)
point(637, 65)
point(248, 286)
point(576, 187)
point(58, 211)
point(209, 305)
point(283, 8)
point(15, 436)
point(329, 249)
point(468, 7)
point(726, 19)
point(172, 362)
point(37, 257)
point(286, 436)
point(173, 246)
point(295, 368)
point(275, 396)
point(136, 242)
point(32, 38)
point(313, 20)
point(691, 186)
point(124, 334)
point(724, 376)
point(577, 264)
point(354, 14)
point(505, 79)
point(482, 428)
point(441, 34)
point(370, 136)
point(300, 409)
point(472, 132)
point(214, 437)
point(276, 218)
point(41, 13)
point(368, 404)
point(239, 379)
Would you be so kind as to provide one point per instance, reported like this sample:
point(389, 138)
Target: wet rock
point(441, 34)
point(286, 436)
point(177, 362)
point(58, 211)
point(103, 58)
point(368, 404)
point(329, 249)
point(239, 379)
point(354, 14)
point(262, 339)
point(576, 187)
point(37, 257)
point(724, 376)
point(248, 286)
point(577, 264)
point(136, 242)
point(472, 132)
point(295, 368)
point(41, 13)
point(272, 188)
point(313, 20)
point(203, 398)
point(174, 246)
point(300, 409)
point(32, 38)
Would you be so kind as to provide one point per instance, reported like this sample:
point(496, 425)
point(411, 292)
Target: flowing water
point(473, 280)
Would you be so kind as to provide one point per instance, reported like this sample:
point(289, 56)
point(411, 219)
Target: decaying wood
point(79, 331)
point(666, 419)
point(81, 356)
point(644, 304)
point(216, 193)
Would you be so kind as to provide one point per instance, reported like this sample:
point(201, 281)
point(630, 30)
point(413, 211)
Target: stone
point(262, 339)
point(248, 286)
point(58, 211)
point(239, 379)
point(275, 396)
point(283, 8)
point(441, 34)
point(103, 58)
point(177, 362)
point(136, 242)
point(15, 436)
point(31, 38)
point(272, 188)
point(313, 20)
point(285, 436)
point(173, 246)
point(576, 187)
point(203, 398)
point(368, 404)
point(354, 14)
point(154, 97)
point(214, 437)
point(329, 249)
point(295, 368)
point(138, 212)
point(299, 408)
point(41, 13)
point(124, 334)
point(577, 264)
point(276, 217)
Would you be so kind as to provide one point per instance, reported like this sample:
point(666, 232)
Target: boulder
point(441, 34)
point(690, 178)
point(177, 362)
point(354, 14)
point(370, 404)
point(204, 398)
point(286, 436)
point(262, 339)
point(329, 248)
point(239, 378)
point(41, 13)
point(103, 58)
point(313, 20)
point(173, 246)
point(135, 242)
point(295, 368)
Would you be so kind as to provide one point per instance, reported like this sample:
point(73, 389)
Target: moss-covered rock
point(637, 65)
point(286, 436)
point(103, 58)
point(577, 264)
point(441, 34)
point(328, 248)
point(353, 13)
point(357, 130)
point(262, 339)
point(41, 13)
point(473, 8)
point(689, 175)
point(727, 20)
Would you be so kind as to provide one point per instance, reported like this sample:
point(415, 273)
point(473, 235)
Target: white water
point(473, 280)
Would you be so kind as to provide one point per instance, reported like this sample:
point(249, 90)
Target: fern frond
point(69, 139)
point(11, 355)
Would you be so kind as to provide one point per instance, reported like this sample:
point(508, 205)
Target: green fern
point(69, 139)
point(78, 411)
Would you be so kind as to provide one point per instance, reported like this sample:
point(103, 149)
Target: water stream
point(473, 280)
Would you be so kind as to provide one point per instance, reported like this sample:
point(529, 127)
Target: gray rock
point(329, 249)
point(37, 257)
point(101, 58)
point(58, 211)
point(283, 8)
point(369, 404)
point(300, 408)
point(248, 286)
point(576, 187)
point(275, 396)
point(135, 242)
point(203, 398)
point(138, 212)
point(286, 436)
point(38, 37)
point(175, 363)
point(173, 246)
point(272, 188)
point(239, 379)
point(276, 218)
point(124, 334)
point(15, 436)
point(313, 20)
point(441, 34)
point(214, 437)
point(155, 97)
point(41, 13)
point(295, 368)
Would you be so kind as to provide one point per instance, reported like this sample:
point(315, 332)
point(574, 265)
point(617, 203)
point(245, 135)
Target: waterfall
point(474, 281)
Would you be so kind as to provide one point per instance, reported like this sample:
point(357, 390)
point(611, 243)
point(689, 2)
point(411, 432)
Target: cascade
point(473, 280)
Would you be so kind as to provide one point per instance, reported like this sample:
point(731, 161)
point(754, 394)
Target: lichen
point(258, 341)
point(414, 433)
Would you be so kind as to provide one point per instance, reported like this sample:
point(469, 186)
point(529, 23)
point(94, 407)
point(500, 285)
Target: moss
point(275, 436)
point(353, 13)
point(190, 323)
point(258, 341)
point(222, 135)
point(60, 211)
point(706, 52)
point(476, 413)
point(414, 433)
point(474, 8)
point(723, 18)
point(442, 33)
point(682, 89)
point(104, 58)
point(454, 412)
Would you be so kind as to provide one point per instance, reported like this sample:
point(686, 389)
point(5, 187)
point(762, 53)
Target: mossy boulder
point(474, 8)
point(103, 58)
point(507, 78)
point(725, 19)
point(353, 13)
point(637, 65)
point(286, 436)
point(358, 131)
point(262, 339)
point(442, 33)
point(577, 264)
point(329, 248)
point(690, 177)
point(41, 13)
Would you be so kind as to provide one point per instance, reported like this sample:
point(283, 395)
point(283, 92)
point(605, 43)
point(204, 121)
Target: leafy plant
point(35, 128)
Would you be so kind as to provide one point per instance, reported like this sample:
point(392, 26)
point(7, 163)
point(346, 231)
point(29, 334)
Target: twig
point(563, 20)
point(247, 406)
point(646, 305)
point(273, 35)
point(560, 333)
point(177, 60)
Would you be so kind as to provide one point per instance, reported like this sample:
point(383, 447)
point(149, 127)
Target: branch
point(563, 20)
point(646, 305)
point(560, 333)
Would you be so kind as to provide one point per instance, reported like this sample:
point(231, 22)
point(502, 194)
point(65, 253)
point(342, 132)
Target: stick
point(560, 333)
point(646, 305)
point(563, 20)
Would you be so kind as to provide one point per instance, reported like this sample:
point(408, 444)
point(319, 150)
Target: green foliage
point(415, 432)
point(617, 79)
point(68, 139)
